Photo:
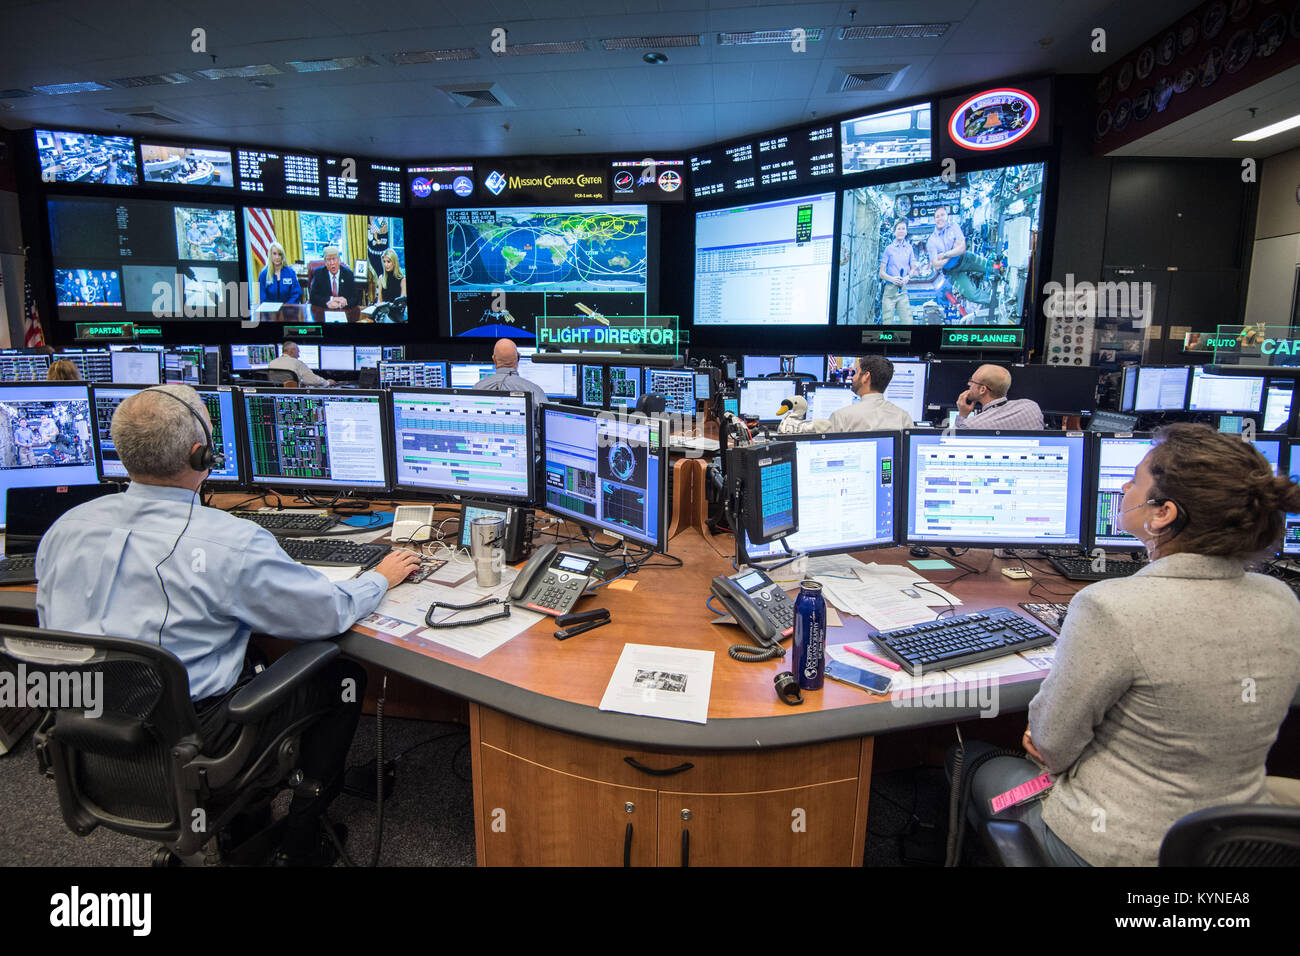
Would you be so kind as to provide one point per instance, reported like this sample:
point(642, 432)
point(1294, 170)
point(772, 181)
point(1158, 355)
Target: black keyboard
point(964, 639)
point(279, 522)
point(327, 552)
point(1080, 569)
point(18, 569)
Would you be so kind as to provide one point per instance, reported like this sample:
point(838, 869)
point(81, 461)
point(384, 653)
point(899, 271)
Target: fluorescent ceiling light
point(1267, 131)
point(57, 88)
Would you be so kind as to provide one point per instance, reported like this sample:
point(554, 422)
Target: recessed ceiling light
point(655, 57)
point(331, 63)
point(55, 89)
point(1263, 133)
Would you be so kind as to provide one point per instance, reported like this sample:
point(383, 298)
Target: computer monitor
point(557, 379)
point(846, 495)
point(907, 388)
point(300, 438)
point(463, 442)
point(624, 386)
point(988, 489)
point(337, 358)
point(183, 365)
point(137, 368)
point(761, 366)
point(1058, 389)
point(761, 397)
point(246, 358)
point(20, 367)
point(94, 365)
point(1225, 393)
point(1291, 534)
point(825, 400)
point(1278, 399)
point(676, 386)
point(731, 404)
point(1114, 463)
point(1128, 387)
point(469, 374)
point(1272, 450)
point(394, 353)
point(945, 380)
point(367, 356)
point(418, 374)
point(309, 355)
point(607, 472)
point(220, 402)
point(703, 386)
point(1161, 388)
point(46, 430)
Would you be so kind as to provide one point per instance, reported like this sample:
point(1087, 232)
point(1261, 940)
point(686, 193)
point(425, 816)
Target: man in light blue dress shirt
point(156, 565)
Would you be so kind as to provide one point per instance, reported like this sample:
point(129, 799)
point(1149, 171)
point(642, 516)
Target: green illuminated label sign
point(105, 330)
point(964, 337)
point(304, 332)
point(148, 331)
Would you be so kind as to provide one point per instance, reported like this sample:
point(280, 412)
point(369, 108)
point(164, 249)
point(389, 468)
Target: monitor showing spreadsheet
point(311, 439)
point(907, 388)
point(94, 365)
point(557, 379)
point(469, 374)
point(421, 374)
point(335, 358)
point(1114, 464)
point(20, 367)
point(1225, 393)
point(367, 356)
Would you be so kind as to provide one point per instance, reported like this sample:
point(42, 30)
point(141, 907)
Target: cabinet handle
point(686, 847)
point(681, 768)
point(627, 846)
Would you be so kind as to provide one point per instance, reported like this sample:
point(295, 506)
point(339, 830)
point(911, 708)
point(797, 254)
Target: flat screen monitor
point(846, 495)
point(246, 358)
point(86, 158)
point(137, 368)
point(907, 388)
point(1058, 389)
point(796, 157)
point(945, 380)
point(1278, 398)
point(1161, 388)
point(677, 388)
point(1128, 387)
point(765, 263)
point(825, 400)
point(914, 228)
point(462, 442)
point(338, 358)
point(624, 386)
point(418, 374)
point(299, 438)
point(1291, 534)
point(367, 356)
point(189, 166)
point(761, 366)
point(1271, 449)
point(557, 380)
point(607, 473)
point(93, 364)
point(893, 137)
point(988, 489)
point(220, 401)
point(761, 397)
point(1115, 463)
point(703, 386)
point(1225, 393)
point(19, 367)
point(469, 374)
point(182, 366)
point(309, 355)
point(46, 436)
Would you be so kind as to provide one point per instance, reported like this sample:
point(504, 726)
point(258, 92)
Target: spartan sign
point(1099, 40)
point(349, 169)
point(949, 174)
point(198, 560)
point(499, 300)
point(1248, 430)
point(499, 820)
point(1248, 690)
point(1098, 560)
point(799, 40)
point(799, 820)
point(498, 39)
point(349, 690)
point(199, 820)
point(1247, 170)
point(199, 40)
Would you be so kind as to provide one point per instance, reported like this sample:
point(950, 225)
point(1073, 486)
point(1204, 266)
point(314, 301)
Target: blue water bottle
point(810, 636)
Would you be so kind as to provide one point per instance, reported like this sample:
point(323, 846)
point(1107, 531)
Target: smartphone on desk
point(869, 681)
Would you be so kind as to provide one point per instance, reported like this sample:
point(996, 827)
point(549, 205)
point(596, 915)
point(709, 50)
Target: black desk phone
point(758, 604)
point(552, 580)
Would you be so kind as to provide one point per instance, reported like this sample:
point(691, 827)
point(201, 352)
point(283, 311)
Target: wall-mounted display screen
point(187, 165)
point(647, 180)
point(724, 170)
point(86, 158)
point(892, 138)
point(440, 184)
point(281, 174)
point(795, 157)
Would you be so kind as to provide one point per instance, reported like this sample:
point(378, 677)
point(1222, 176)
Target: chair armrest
point(273, 686)
point(1013, 844)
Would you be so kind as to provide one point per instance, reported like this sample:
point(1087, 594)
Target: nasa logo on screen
point(623, 181)
point(462, 186)
point(670, 181)
point(495, 183)
point(993, 119)
point(421, 187)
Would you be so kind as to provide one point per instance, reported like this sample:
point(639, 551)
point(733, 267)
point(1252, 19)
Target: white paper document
point(333, 316)
point(269, 307)
point(667, 682)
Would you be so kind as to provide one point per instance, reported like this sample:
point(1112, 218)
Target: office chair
point(138, 767)
point(281, 376)
point(651, 404)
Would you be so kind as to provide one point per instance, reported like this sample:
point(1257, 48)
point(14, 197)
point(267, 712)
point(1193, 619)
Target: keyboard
point(960, 640)
point(1080, 569)
point(286, 523)
point(329, 552)
point(18, 569)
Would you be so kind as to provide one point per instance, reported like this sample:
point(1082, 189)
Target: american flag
point(261, 233)
point(31, 318)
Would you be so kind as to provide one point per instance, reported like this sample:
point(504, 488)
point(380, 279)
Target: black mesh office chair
point(138, 767)
point(651, 404)
point(281, 376)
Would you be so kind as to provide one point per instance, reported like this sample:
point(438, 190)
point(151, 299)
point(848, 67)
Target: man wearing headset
point(156, 565)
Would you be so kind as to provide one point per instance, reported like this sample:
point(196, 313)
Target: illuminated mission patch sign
point(993, 119)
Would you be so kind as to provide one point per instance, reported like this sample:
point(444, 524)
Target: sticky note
point(622, 584)
point(931, 564)
point(1021, 793)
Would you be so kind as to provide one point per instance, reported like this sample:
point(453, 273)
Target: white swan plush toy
point(793, 412)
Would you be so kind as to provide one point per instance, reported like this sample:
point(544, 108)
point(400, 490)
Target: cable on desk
point(942, 611)
point(708, 602)
point(1040, 590)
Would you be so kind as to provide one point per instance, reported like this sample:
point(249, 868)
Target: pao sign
point(993, 119)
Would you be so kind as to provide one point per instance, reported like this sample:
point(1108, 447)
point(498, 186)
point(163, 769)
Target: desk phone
point(552, 581)
point(758, 604)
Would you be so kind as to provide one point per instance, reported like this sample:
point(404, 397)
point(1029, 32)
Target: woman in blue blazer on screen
point(278, 281)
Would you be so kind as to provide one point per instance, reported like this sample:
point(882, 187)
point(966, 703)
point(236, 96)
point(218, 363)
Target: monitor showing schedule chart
point(996, 489)
point(1115, 463)
point(308, 439)
point(463, 442)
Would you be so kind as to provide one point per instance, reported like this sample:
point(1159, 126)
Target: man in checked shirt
point(988, 387)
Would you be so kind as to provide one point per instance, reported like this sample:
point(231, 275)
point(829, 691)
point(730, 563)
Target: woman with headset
point(1168, 687)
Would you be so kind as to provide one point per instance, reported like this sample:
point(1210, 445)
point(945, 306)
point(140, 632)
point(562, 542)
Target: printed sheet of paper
point(668, 682)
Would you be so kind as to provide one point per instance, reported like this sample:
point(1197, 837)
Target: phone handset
point(532, 572)
point(751, 618)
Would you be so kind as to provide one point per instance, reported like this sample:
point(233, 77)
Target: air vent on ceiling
point(651, 43)
point(329, 63)
point(477, 95)
point(152, 79)
point(230, 72)
point(536, 49)
point(433, 56)
point(767, 36)
point(146, 114)
point(895, 31)
point(14, 94)
point(867, 79)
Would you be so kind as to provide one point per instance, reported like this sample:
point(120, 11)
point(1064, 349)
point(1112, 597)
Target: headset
point(201, 459)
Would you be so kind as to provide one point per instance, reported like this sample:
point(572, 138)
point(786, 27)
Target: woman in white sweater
point(1168, 687)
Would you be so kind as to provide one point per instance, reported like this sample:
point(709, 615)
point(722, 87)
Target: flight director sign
point(553, 179)
point(593, 332)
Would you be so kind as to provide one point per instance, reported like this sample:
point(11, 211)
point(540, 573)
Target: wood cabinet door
point(801, 826)
point(534, 816)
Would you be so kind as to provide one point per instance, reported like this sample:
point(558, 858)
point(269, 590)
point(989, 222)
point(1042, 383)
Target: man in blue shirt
point(897, 264)
point(948, 252)
point(156, 565)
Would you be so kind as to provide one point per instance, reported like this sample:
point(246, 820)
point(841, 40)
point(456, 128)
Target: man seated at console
point(288, 361)
point(506, 377)
point(871, 412)
point(988, 387)
point(334, 286)
point(156, 565)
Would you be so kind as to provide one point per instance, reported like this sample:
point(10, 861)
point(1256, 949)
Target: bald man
point(288, 361)
point(988, 387)
point(506, 378)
